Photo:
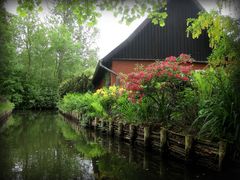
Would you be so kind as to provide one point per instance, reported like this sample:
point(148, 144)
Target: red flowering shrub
point(159, 81)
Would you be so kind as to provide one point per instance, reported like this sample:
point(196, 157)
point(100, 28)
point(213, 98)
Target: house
point(149, 43)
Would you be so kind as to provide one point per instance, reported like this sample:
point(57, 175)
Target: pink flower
point(170, 74)
point(185, 78)
point(178, 76)
point(171, 59)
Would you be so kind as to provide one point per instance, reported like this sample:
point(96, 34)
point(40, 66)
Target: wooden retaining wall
point(183, 147)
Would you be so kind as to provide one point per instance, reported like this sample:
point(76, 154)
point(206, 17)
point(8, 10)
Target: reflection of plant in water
point(11, 123)
point(90, 150)
point(66, 130)
point(5, 106)
point(32, 143)
point(114, 167)
point(81, 142)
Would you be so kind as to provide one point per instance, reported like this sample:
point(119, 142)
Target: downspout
point(109, 70)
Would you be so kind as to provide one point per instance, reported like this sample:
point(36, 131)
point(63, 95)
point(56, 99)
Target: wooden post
point(163, 139)
point(146, 136)
point(120, 129)
point(221, 154)
point(110, 128)
point(119, 148)
point(132, 132)
point(130, 153)
point(145, 161)
point(102, 124)
point(110, 145)
point(95, 123)
point(89, 124)
point(188, 147)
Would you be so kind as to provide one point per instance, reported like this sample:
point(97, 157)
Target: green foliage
point(135, 113)
point(208, 106)
point(218, 113)
point(6, 50)
point(86, 12)
point(25, 7)
point(79, 84)
point(125, 109)
point(38, 56)
point(218, 89)
point(5, 106)
point(223, 33)
point(107, 98)
point(186, 108)
point(109, 104)
point(86, 104)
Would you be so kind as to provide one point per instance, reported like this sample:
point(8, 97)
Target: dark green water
point(36, 145)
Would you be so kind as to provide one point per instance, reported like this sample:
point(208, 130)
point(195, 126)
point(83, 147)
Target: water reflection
point(33, 147)
point(45, 146)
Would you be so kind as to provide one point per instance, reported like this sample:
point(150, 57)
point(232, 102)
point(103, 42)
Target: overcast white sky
point(111, 32)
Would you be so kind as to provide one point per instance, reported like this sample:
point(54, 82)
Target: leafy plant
point(223, 32)
point(186, 109)
point(5, 105)
point(160, 82)
point(218, 113)
point(79, 84)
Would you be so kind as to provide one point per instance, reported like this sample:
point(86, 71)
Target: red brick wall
point(128, 66)
point(197, 66)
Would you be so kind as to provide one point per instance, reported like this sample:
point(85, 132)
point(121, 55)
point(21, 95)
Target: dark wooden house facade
point(151, 42)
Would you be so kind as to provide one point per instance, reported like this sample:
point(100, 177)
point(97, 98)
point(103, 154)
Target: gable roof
point(150, 41)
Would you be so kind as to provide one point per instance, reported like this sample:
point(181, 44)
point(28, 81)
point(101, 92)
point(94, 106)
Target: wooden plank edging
point(190, 148)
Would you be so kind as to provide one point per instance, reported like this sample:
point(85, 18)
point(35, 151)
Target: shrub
point(108, 98)
point(186, 109)
point(218, 113)
point(87, 105)
point(159, 83)
point(79, 84)
point(5, 105)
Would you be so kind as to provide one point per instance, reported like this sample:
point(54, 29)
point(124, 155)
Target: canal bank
point(186, 148)
point(6, 108)
point(44, 145)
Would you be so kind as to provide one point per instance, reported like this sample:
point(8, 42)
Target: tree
point(5, 48)
point(223, 33)
point(87, 12)
point(43, 54)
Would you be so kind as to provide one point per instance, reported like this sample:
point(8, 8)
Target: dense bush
point(217, 113)
point(107, 103)
point(87, 105)
point(79, 84)
point(159, 83)
point(5, 105)
point(31, 95)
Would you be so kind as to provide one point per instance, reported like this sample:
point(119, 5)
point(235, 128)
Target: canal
point(44, 145)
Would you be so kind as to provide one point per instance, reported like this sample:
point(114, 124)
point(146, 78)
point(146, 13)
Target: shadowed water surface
point(43, 145)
